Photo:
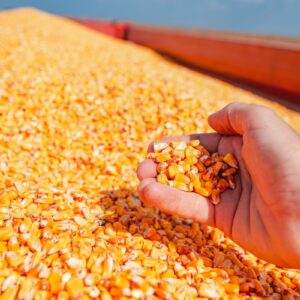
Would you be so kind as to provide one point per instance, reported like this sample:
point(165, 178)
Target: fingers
point(147, 169)
point(236, 118)
point(208, 140)
point(173, 201)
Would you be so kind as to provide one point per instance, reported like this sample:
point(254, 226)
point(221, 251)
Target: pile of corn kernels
point(77, 110)
point(189, 167)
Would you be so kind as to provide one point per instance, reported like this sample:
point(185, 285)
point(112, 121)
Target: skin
point(262, 214)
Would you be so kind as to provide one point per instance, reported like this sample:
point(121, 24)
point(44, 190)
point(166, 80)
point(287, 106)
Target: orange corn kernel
point(163, 157)
point(230, 160)
point(180, 177)
point(215, 197)
point(222, 185)
point(203, 192)
point(228, 172)
point(173, 170)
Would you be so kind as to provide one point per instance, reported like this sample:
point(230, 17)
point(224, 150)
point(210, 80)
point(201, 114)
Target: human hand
point(262, 214)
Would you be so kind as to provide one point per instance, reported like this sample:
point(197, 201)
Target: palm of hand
point(241, 213)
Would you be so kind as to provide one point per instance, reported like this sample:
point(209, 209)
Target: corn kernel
point(6, 233)
point(230, 160)
point(181, 186)
point(75, 288)
point(203, 192)
point(173, 170)
point(180, 177)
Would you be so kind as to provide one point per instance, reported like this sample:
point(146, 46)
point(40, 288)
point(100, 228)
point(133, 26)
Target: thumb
point(236, 118)
point(173, 201)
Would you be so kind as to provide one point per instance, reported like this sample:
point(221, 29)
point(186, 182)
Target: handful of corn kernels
point(191, 168)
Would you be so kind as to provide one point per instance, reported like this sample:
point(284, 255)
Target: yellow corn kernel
point(10, 293)
point(3, 246)
point(4, 198)
point(186, 167)
point(75, 288)
point(159, 146)
point(203, 192)
point(6, 233)
point(55, 282)
point(163, 157)
point(34, 244)
point(167, 150)
point(180, 177)
point(162, 167)
point(163, 179)
point(14, 259)
point(28, 288)
point(178, 153)
point(173, 170)
point(8, 196)
point(63, 295)
point(42, 295)
point(149, 262)
point(191, 152)
point(207, 291)
point(191, 160)
point(168, 274)
point(178, 145)
point(194, 143)
point(180, 185)
point(92, 279)
point(107, 267)
point(195, 180)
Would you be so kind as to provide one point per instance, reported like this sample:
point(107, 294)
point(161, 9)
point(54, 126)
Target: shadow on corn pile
point(174, 247)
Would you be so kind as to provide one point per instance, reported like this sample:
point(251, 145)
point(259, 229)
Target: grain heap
point(189, 167)
point(77, 110)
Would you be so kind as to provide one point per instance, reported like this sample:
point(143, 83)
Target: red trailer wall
point(270, 64)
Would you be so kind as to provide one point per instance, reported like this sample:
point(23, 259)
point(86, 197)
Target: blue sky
point(280, 17)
